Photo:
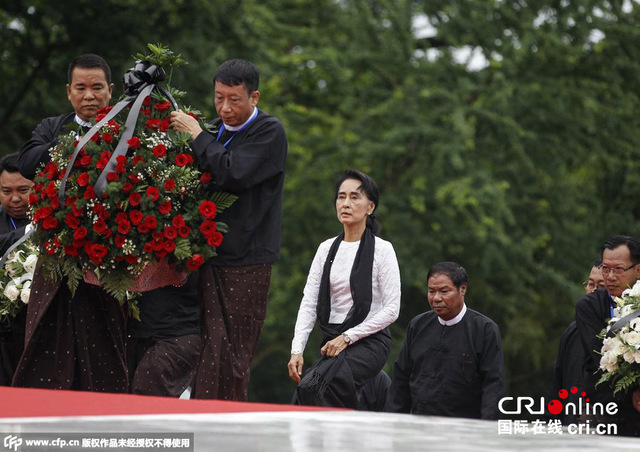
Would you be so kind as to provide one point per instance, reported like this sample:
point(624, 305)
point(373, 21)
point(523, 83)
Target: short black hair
point(238, 72)
point(89, 60)
point(9, 163)
point(369, 187)
point(456, 272)
point(598, 263)
point(632, 244)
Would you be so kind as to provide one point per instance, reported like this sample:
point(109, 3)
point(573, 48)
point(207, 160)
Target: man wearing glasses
point(567, 369)
point(620, 270)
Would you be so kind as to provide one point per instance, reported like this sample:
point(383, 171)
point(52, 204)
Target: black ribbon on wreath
point(139, 82)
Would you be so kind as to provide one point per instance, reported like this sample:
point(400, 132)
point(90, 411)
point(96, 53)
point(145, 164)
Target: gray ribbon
point(114, 111)
point(14, 246)
point(621, 323)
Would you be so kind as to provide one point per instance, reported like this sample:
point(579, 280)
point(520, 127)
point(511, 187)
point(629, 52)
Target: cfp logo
point(12, 442)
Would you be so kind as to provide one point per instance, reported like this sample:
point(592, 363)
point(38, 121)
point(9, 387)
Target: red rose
point(55, 202)
point(183, 159)
point(145, 111)
point(153, 124)
point(127, 187)
point(95, 138)
point(157, 245)
point(133, 142)
point(162, 106)
point(119, 241)
point(164, 124)
point(131, 259)
point(147, 248)
point(157, 235)
point(84, 161)
point(152, 192)
point(161, 253)
point(80, 233)
point(205, 178)
point(169, 185)
point(113, 176)
point(100, 227)
point(134, 178)
point(178, 221)
point(105, 110)
point(194, 116)
point(169, 246)
point(184, 231)
point(147, 101)
point(51, 246)
point(195, 262)
point(165, 208)
point(136, 216)
point(107, 137)
point(105, 155)
point(72, 221)
point(159, 151)
point(50, 223)
point(150, 222)
point(137, 159)
point(77, 211)
point(208, 227)
point(71, 250)
point(97, 253)
point(124, 227)
point(170, 233)
point(214, 239)
point(33, 199)
point(89, 193)
point(121, 216)
point(134, 199)
point(208, 209)
point(51, 191)
point(102, 163)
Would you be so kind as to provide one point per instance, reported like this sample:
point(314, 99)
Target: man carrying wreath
point(245, 156)
point(72, 342)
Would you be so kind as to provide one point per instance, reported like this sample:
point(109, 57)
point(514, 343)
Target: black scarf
point(361, 288)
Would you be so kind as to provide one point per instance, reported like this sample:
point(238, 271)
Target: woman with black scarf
point(353, 291)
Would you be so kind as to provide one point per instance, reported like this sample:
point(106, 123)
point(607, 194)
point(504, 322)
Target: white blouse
point(385, 303)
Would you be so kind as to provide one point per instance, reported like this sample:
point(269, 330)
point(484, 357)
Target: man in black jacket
point(72, 342)
point(451, 361)
point(89, 89)
point(246, 156)
point(620, 270)
point(14, 197)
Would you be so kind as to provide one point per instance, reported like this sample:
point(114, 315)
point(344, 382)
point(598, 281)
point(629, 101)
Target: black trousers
point(335, 381)
point(163, 367)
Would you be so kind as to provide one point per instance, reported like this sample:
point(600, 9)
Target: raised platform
point(242, 427)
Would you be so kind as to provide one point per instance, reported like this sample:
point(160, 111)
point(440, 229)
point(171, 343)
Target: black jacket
point(35, 151)
point(252, 167)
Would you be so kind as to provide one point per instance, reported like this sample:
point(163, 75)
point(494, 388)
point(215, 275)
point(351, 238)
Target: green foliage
point(161, 56)
point(223, 200)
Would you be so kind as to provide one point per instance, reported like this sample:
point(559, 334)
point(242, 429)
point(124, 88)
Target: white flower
point(609, 362)
point(625, 310)
point(629, 356)
point(635, 324)
point(30, 263)
point(634, 291)
point(632, 338)
point(11, 291)
point(25, 293)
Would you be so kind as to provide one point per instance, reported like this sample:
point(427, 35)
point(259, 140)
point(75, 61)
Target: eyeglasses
point(616, 271)
point(589, 285)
